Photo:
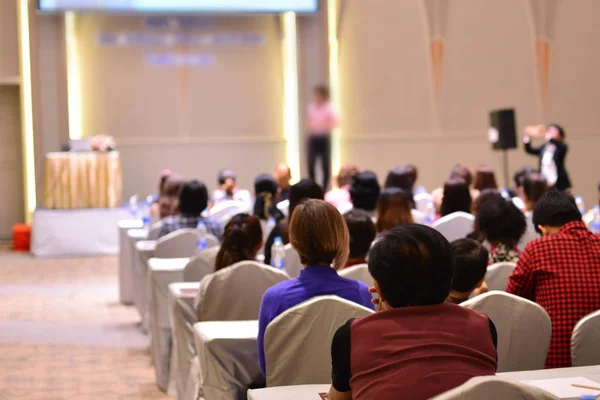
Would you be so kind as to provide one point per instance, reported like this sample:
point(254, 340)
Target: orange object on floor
point(21, 237)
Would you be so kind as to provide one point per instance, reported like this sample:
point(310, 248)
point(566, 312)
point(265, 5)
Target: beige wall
point(389, 111)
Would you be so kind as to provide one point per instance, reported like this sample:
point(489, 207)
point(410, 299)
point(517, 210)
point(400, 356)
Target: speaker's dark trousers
point(319, 146)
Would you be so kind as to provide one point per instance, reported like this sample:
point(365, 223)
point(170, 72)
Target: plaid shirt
point(561, 273)
point(171, 224)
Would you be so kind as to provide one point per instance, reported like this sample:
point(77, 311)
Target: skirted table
point(82, 180)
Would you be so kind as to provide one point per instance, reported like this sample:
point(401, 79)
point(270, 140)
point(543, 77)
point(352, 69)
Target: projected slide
point(168, 6)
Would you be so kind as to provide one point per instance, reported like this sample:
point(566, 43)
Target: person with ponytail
point(241, 241)
point(265, 207)
point(319, 234)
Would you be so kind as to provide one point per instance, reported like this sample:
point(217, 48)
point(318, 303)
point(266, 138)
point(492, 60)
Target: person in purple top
point(319, 234)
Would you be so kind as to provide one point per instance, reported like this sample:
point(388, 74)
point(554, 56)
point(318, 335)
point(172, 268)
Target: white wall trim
point(172, 140)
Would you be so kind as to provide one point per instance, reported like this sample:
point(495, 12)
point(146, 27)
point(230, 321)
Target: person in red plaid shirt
point(560, 271)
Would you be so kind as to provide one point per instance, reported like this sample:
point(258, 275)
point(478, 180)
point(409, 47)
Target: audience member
point(283, 176)
point(533, 187)
point(364, 191)
point(520, 175)
point(228, 189)
point(305, 189)
point(502, 224)
point(362, 233)
point(319, 245)
point(485, 179)
point(393, 209)
point(469, 272)
point(484, 196)
point(154, 206)
point(560, 271)
point(412, 172)
point(457, 197)
point(265, 207)
point(458, 171)
point(439, 345)
point(341, 195)
point(399, 178)
point(193, 198)
point(168, 200)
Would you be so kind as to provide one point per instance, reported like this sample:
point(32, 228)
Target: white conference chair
point(227, 209)
point(284, 207)
point(524, 329)
point(358, 272)
point(218, 304)
point(497, 275)
point(422, 200)
point(293, 265)
point(345, 207)
point(454, 226)
point(495, 388)
point(585, 349)
point(201, 265)
point(305, 332)
point(181, 243)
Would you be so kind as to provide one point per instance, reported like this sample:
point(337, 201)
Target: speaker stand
point(505, 168)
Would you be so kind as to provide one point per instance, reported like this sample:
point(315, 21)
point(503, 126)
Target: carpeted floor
point(64, 335)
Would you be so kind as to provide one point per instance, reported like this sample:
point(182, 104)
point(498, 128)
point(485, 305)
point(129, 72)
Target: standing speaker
point(503, 129)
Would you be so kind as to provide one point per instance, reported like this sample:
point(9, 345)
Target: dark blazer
point(560, 154)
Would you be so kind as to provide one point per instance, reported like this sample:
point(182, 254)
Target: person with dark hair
point(393, 209)
point(364, 191)
point(485, 179)
point(283, 176)
point(413, 175)
point(362, 233)
point(560, 271)
point(193, 199)
point(242, 239)
point(458, 171)
point(502, 224)
point(228, 189)
point(533, 187)
point(469, 273)
point(319, 235)
point(520, 175)
point(168, 198)
point(341, 195)
point(552, 155)
point(265, 188)
point(305, 189)
point(457, 197)
point(321, 121)
point(416, 345)
point(399, 177)
point(484, 196)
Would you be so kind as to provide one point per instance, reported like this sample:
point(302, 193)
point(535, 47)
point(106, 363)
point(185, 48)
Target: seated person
point(533, 187)
point(415, 346)
point(502, 224)
point(485, 179)
point(458, 171)
point(362, 233)
point(341, 195)
point(228, 190)
point(364, 192)
point(484, 196)
point(560, 271)
point(393, 209)
point(457, 197)
point(469, 272)
point(193, 198)
point(168, 199)
point(265, 188)
point(282, 175)
point(412, 172)
point(242, 239)
point(320, 236)
point(305, 189)
point(399, 178)
point(154, 206)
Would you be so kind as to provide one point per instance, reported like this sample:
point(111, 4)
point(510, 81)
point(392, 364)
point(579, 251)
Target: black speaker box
point(503, 129)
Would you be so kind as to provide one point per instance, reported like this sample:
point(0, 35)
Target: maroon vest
point(419, 352)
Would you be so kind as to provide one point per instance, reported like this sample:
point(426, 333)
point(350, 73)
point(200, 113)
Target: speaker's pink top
point(321, 119)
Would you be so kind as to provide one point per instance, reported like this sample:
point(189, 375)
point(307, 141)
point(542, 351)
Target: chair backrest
point(227, 209)
point(497, 275)
point(284, 207)
point(422, 200)
point(345, 207)
point(181, 243)
point(585, 348)
point(201, 265)
point(358, 272)
point(495, 388)
point(293, 265)
point(418, 217)
point(227, 295)
point(154, 230)
point(524, 329)
point(305, 333)
point(454, 226)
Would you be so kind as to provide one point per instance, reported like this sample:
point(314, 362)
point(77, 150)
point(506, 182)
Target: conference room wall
point(389, 110)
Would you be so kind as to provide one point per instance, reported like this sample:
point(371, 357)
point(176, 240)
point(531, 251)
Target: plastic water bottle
point(133, 206)
point(596, 220)
point(580, 205)
point(430, 213)
point(201, 244)
point(278, 253)
point(146, 217)
point(271, 224)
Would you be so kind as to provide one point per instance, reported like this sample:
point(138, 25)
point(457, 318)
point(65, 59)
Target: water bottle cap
point(278, 239)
